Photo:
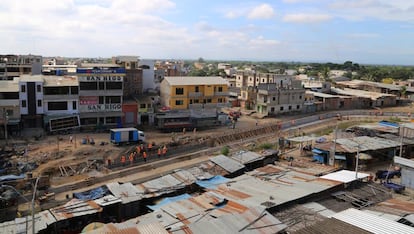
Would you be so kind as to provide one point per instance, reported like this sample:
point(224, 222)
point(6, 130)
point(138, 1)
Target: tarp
point(317, 151)
point(91, 194)
point(340, 157)
point(11, 177)
point(168, 200)
point(388, 124)
point(212, 182)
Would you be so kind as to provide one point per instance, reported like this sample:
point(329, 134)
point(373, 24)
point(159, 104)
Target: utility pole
point(6, 121)
point(401, 142)
point(356, 164)
point(332, 156)
point(33, 205)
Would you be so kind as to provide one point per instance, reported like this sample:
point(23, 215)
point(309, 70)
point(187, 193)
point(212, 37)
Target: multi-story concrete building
point(148, 82)
point(253, 78)
point(60, 102)
point(31, 100)
point(9, 107)
point(281, 97)
point(100, 94)
point(15, 65)
point(187, 92)
point(133, 81)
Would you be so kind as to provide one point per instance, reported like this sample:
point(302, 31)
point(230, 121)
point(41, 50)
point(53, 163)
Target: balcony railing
point(221, 93)
point(195, 94)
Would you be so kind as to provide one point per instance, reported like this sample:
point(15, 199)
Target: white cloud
point(397, 10)
point(306, 18)
point(262, 42)
point(263, 11)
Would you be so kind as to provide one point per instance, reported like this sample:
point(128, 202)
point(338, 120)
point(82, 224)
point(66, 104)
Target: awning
point(317, 151)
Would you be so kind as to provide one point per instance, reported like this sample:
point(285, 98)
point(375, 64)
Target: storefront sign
point(100, 71)
point(88, 100)
point(101, 107)
point(101, 78)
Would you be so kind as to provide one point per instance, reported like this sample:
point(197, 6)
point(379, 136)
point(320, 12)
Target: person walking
point(144, 155)
point(131, 158)
point(123, 160)
point(159, 152)
point(149, 147)
point(164, 151)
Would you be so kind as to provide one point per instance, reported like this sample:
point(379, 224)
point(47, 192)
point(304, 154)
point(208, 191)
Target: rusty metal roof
point(75, 208)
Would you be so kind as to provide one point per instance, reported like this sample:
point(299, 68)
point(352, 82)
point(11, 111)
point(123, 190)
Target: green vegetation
point(395, 119)
point(265, 146)
point(225, 150)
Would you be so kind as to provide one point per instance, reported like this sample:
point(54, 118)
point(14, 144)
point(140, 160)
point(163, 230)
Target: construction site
point(57, 166)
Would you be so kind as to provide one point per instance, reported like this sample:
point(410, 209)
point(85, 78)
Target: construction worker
point(131, 157)
point(149, 147)
point(139, 149)
point(144, 155)
point(123, 160)
point(164, 150)
point(159, 152)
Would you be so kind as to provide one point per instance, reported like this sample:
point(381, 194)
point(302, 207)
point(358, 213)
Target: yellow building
point(188, 92)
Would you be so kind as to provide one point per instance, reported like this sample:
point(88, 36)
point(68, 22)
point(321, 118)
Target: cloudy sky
point(363, 31)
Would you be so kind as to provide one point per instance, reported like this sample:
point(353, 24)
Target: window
point(113, 85)
point(74, 90)
point(263, 80)
point(57, 105)
point(300, 97)
point(179, 91)
point(112, 99)
point(272, 109)
point(196, 101)
point(179, 102)
point(274, 98)
point(88, 86)
point(220, 89)
point(23, 88)
point(293, 97)
point(290, 107)
point(297, 107)
point(39, 103)
point(24, 103)
point(281, 108)
point(220, 100)
point(74, 105)
point(209, 100)
point(101, 85)
point(197, 89)
point(142, 105)
point(39, 88)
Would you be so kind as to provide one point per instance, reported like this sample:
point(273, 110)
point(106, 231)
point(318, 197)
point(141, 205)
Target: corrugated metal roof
point(404, 206)
point(31, 78)
point(366, 143)
point(254, 220)
point(184, 176)
point(227, 163)
point(200, 174)
point(268, 190)
point(75, 208)
point(107, 200)
point(196, 80)
point(127, 192)
point(361, 93)
point(245, 157)
point(404, 162)
point(162, 185)
point(344, 176)
point(372, 223)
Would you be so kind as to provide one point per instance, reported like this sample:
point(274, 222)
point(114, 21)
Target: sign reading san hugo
point(101, 107)
point(94, 78)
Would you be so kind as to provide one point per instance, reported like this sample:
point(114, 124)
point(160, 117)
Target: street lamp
point(6, 121)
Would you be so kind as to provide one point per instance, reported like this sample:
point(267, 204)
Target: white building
point(148, 74)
